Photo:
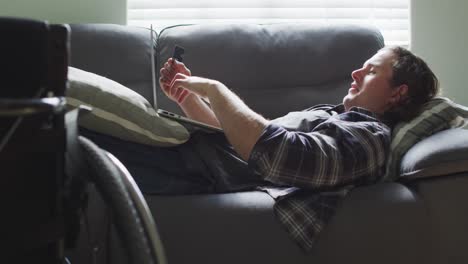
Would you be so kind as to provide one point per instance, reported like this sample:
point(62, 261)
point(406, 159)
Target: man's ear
point(398, 93)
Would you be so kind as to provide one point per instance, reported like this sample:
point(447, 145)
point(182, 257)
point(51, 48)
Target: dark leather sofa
point(277, 69)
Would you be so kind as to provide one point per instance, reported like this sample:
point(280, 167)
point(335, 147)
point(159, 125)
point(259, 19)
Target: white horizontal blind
point(390, 16)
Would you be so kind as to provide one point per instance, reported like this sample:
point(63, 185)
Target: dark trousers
point(204, 164)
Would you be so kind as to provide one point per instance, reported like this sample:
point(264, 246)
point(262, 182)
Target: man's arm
point(190, 103)
point(194, 107)
point(337, 153)
point(241, 125)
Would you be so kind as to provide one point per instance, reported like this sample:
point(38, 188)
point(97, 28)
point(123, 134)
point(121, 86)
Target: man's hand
point(168, 72)
point(190, 102)
point(241, 125)
point(182, 83)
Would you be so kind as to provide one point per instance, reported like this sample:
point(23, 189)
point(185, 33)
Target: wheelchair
point(46, 166)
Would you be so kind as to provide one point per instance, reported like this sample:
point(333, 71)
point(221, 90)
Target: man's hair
point(422, 84)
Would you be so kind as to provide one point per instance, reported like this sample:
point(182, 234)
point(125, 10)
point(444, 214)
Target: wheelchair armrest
point(25, 107)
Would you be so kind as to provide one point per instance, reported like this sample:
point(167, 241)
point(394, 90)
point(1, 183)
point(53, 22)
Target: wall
point(439, 34)
point(67, 11)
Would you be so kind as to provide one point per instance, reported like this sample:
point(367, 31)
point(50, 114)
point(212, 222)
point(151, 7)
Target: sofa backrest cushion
point(274, 68)
point(120, 53)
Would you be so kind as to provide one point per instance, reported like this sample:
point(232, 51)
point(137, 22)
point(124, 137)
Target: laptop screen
point(153, 69)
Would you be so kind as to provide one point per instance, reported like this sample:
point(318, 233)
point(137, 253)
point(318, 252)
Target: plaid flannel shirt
point(327, 153)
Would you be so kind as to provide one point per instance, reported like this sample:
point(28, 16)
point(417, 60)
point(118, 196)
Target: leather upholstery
point(445, 201)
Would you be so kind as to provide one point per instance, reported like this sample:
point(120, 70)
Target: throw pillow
point(438, 114)
point(120, 112)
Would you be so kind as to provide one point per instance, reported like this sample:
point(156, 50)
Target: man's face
point(371, 87)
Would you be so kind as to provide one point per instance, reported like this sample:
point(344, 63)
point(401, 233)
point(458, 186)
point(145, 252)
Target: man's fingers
point(180, 66)
point(177, 89)
point(177, 77)
point(169, 68)
point(164, 73)
point(174, 89)
point(167, 75)
point(164, 86)
point(178, 63)
point(164, 80)
point(175, 85)
point(174, 66)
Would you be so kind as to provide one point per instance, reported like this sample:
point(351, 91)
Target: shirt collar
point(341, 109)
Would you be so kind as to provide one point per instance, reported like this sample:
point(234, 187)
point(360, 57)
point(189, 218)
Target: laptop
point(182, 119)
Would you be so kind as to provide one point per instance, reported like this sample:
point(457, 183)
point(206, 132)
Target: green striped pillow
point(438, 114)
point(120, 112)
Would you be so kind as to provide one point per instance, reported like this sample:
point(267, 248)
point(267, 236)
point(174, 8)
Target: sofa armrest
point(383, 223)
point(441, 154)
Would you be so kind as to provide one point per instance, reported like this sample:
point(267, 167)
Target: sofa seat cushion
point(241, 228)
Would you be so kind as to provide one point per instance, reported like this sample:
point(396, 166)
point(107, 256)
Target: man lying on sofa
point(325, 149)
point(314, 156)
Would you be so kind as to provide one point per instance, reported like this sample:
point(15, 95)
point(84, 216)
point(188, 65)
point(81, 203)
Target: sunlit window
point(391, 17)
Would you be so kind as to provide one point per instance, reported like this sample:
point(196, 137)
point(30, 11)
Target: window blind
point(391, 17)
